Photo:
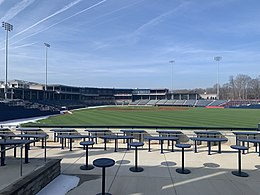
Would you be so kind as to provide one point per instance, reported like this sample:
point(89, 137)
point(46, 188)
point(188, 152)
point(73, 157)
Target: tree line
point(240, 87)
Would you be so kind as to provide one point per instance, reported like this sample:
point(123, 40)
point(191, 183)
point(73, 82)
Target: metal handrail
point(145, 127)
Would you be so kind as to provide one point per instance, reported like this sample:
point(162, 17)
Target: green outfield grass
point(155, 116)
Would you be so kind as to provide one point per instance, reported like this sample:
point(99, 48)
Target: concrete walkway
point(210, 174)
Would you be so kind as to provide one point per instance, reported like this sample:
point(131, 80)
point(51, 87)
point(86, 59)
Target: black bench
point(72, 137)
point(116, 138)
point(13, 143)
point(208, 140)
point(255, 141)
point(133, 132)
point(57, 132)
point(98, 133)
point(160, 139)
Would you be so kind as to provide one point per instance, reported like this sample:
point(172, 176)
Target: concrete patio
point(210, 174)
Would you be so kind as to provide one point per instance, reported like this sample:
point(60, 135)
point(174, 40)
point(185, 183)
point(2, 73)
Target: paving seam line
point(117, 172)
point(170, 174)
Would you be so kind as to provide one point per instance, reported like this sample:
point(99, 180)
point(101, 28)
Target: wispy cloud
point(50, 16)
point(1, 1)
point(155, 21)
point(48, 27)
point(20, 46)
point(24, 45)
point(16, 9)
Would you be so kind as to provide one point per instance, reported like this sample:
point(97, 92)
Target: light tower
point(172, 62)
point(217, 58)
point(8, 27)
point(46, 64)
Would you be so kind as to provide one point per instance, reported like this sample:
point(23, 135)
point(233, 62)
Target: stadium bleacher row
point(172, 102)
point(22, 109)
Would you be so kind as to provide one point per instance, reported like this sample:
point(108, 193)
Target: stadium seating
point(11, 112)
point(203, 103)
point(217, 102)
point(161, 102)
point(179, 102)
point(169, 102)
point(189, 103)
point(152, 102)
point(135, 102)
point(143, 102)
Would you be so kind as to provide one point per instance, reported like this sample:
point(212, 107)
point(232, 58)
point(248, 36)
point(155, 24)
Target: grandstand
point(189, 103)
point(218, 103)
point(161, 102)
point(179, 102)
point(169, 102)
point(203, 103)
point(32, 96)
point(11, 110)
point(143, 102)
point(152, 102)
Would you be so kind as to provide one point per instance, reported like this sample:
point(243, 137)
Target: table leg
point(258, 149)
point(195, 145)
point(70, 144)
point(105, 144)
point(115, 145)
point(62, 143)
point(127, 144)
point(86, 166)
point(86, 156)
point(243, 144)
point(2, 155)
point(26, 153)
point(103, 180)
point(149, 145)
point(182, 170)
point(161, 146)
point(182, 165)
point(15, 152)
point(239, 173)
point(209, 148)
point(45, 150)
point(219, 147)
point(135, 158)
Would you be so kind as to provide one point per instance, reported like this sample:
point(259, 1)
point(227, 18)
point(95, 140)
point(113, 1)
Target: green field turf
point(155, 116)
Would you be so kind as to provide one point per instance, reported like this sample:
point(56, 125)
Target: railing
point(145, 127)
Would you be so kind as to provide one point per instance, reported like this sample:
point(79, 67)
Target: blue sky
point(129, 43)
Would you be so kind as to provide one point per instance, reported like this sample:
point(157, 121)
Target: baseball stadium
point(140, 97)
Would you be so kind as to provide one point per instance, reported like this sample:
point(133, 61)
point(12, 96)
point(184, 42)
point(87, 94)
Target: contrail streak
point(86, 9)
point(15, 10)
point(20, 46)
point(48, 17)
point(1, 1)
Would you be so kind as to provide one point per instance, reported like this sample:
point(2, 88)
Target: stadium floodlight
point(172, 62)
point(46, 64)
point(218, 58)
point(8, 27)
